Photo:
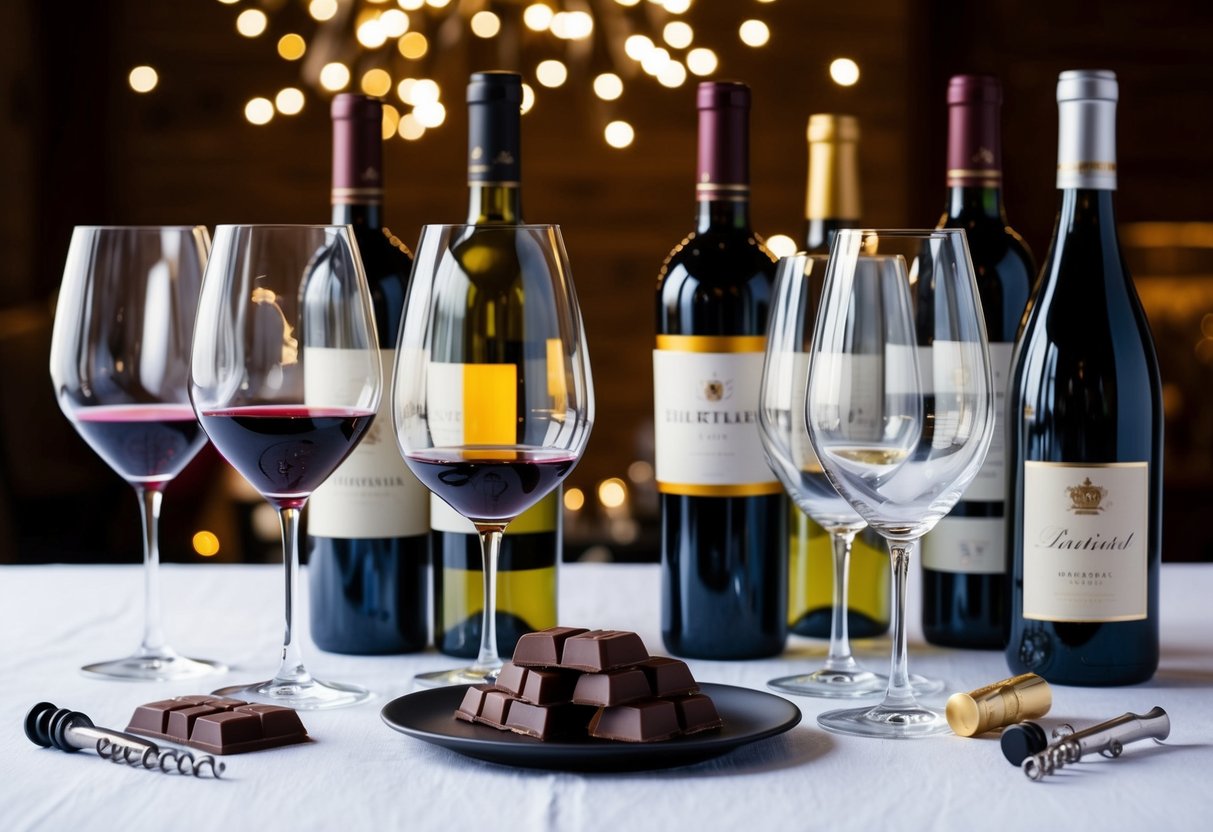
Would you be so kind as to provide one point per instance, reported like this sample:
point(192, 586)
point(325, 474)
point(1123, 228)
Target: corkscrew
point(1107, 738)
point(71, 731)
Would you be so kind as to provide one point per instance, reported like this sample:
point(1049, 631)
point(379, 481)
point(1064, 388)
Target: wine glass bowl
point(492, 394)
point(120, 366)
point(900, 411)
point(286, 379)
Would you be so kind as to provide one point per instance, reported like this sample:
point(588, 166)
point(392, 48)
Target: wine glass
point(120, 366)
point(900, 410)
point(285, 381)
point(492, 397)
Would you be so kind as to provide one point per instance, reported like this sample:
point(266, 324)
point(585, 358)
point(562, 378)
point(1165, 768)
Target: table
point(361, 775)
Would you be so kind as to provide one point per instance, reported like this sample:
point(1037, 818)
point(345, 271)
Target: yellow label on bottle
point(490, 404)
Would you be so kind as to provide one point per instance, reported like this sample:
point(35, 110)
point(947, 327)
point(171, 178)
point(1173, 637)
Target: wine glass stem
point(153, 632)
point(899, 693)
point(840, 657)
point(490, 550)
point(291, 671)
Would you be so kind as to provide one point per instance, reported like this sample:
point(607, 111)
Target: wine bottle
point(723, 513)
point(526, 570)
point(367, 525)
point(833, 203)
point(1085, 444)
point(964, 557)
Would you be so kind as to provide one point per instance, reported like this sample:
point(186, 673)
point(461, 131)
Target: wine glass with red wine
point(120, 366)
point(285, 381)
point(492, 397)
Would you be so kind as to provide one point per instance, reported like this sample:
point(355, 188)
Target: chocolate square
point(647, 721)
point(612, 687)
point(600, 650)
point(544, 648)
point(668, 677)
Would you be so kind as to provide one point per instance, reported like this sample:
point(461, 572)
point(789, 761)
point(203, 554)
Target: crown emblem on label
point(716, 390)
point(984, 156)
point(370, 174)
point(1085, 498)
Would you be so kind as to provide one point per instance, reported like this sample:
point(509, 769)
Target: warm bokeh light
point(410, 5)
point(754, 33)
point(394, 22)
point(413, 45)
point(676, 6)
point(640, 472)
point(376, 82)
point(574, 499)
point(410, 128)
point(429, 113)
point(251, 22)
point(229, 2)
point(259, 110)
point(426, 91)
point(537, 17)
point(291, 47)
point(702, 61)
point(844, 72)
point(551, 73)
point(391, 120)
point(528, 98)
point(781, 245)
point(608, 86)
point(619, 134)
point(143, 78)
point(678, 34)
point(322, 9)
point(612, 493)
point(335, 76)
point(673, 74)
point(371, 34)
point(206, 543)
point(655, 61)
point(628, 2)
point(485, 24)
point(405, 90)
point(572, 25)
point(438, 4)
point(638, 47)
point(289, 101)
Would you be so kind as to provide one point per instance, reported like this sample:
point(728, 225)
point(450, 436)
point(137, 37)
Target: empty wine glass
point(285, 381)
point(900, 410)
point(120, 365)
point(492, 397)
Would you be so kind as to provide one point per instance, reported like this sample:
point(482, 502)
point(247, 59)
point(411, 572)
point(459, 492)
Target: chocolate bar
point(613, 687)
point(668, 677)
point(696, 713)
point(218, 725)
point(537, 685)
point(600, 650)
point(544, 648)
point(548, 722)
point(647, 721)
point(473, 702)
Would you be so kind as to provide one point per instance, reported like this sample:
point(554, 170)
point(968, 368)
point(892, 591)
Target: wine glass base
point(886, 722)
point(832, 684)
point(157, 667)
point(313, 695)
point(457, 676)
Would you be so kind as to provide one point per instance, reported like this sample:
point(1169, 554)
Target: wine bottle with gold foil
point(530, 548)
point(723, 512)
point(833, 203)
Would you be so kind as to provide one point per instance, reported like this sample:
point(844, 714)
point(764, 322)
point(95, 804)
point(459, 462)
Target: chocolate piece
point(511, 678)
point(668, 677)
point(647, 721)
point(547, 722)
point(548, 687)
point(545, 647)
point(696, 713)
point(218, 725)
point(495, 708)
point(613, 687)
point(473, 702)
point(600, 650)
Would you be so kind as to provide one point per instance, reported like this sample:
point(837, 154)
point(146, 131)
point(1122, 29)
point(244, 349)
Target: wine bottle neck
point(1087, 210)
point(971, 202)
point(493, 204)
point(723, 213)
point(368, 215)
point(357, 159)
point(819, 233)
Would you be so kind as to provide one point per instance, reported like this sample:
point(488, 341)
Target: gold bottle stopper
point(998, 705)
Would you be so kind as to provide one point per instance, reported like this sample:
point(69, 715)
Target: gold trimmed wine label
point(705, 398)
point(1085, 529)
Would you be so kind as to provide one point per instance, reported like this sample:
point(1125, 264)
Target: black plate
point(749, 715)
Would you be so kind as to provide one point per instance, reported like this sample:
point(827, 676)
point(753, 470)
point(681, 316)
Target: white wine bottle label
point(373, 494)
point(1085, 529)
point(990, 484)
point(974, 545)
point(541, 517)
point(705, 397)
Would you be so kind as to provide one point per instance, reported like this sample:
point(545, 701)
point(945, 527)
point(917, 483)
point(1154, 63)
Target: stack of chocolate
point(569, 682)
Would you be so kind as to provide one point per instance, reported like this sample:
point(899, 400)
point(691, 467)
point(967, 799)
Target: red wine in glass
point(285, 451)
point(144, 443)
point(486, 483)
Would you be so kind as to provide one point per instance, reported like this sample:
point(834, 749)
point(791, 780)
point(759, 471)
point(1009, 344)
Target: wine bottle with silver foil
point(964, 556)
point(526, 567)
point(367, 525)
point(832, 203)
point(723, 513)
point(1086, 431)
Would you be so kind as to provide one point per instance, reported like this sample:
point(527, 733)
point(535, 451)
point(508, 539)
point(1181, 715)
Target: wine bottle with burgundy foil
point(964, 557)
point(367, 526)
point(723, 513)
point(1085, 445)
point(833, 203)
point(530, 547)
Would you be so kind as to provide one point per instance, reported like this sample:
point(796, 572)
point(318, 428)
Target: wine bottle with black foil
point(964, 557)
point(833, 203)
point(723, 513)
point(526, 569)
point(367, 526)
point(1085, 444)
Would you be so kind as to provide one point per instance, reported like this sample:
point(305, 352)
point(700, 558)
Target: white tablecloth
point(360, 775)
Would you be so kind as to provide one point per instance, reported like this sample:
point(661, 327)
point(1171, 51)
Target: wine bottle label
point(541, 517)
point(472, 404)
point(974, 545)
point(372, 494)
point(1085, 528)
point(705, 395)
